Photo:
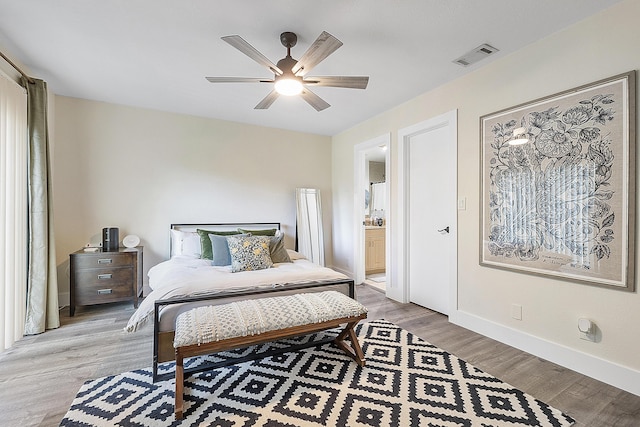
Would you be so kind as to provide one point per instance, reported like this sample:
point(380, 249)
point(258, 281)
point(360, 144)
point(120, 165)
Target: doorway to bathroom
point(372, 212)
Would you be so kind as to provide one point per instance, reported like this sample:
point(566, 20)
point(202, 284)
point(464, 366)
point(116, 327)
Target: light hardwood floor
point(41, 374)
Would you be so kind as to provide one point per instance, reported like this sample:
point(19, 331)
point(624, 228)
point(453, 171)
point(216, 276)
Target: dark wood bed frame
point(163, 350)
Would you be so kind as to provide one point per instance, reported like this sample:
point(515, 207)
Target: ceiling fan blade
point(355, 82)
point(238, 80)
point(324, 46)
point(314, 100)
point(244, 47)
point(267, 101)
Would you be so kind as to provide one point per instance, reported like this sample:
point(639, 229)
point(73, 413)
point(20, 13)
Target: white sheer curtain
point(310, 236)
point(13, 210)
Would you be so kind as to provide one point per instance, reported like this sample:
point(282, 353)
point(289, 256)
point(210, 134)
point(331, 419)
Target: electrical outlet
point(516, 311)
point(586, 330)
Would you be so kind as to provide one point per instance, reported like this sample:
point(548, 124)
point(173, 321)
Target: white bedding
point(185, 276)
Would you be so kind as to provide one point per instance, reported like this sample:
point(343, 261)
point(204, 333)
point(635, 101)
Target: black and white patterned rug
point(406, 382)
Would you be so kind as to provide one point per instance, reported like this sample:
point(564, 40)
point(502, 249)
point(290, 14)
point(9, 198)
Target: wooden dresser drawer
point(103, 285)
point(103, 260)
point(105, 277)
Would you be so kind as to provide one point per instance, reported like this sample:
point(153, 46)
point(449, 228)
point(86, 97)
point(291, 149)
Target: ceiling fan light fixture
point(288, 86)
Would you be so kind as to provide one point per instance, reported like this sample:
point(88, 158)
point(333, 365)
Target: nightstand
point(102, 277)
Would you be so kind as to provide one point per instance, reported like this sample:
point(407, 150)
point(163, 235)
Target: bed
point(188, 280)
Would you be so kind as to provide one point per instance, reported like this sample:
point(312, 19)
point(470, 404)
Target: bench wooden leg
point(355, 351)
point(179, 386)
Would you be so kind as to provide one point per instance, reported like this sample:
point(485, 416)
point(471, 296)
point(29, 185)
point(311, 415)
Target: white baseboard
point(602, 370)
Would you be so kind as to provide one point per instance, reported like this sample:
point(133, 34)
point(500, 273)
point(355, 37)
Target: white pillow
point(293, 255)
point(185, 243)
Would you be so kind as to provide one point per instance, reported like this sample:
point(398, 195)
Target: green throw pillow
point(205, 242)
point(268, 232)
point(277, 250)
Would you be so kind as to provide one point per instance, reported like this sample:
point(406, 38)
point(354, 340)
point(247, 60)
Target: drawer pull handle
point(105, 261)
point(104, 276)
point(104, 291)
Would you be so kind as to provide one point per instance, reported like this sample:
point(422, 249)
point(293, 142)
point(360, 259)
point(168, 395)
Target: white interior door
point(429, 222)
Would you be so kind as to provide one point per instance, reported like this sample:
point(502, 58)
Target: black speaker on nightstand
point(110, 239)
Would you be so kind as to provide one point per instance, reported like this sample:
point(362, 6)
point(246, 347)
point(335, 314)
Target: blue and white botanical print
point(555, 202)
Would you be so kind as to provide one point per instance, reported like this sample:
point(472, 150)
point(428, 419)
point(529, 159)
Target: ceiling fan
point(290, 74)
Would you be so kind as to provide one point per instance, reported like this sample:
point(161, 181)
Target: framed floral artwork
point(558, 185)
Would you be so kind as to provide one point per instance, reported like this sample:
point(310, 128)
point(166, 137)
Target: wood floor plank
point(623, 411)
point(41, 374)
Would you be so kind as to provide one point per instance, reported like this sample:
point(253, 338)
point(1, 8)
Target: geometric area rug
point(406, 382)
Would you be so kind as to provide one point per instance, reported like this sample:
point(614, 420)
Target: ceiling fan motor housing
point(286, 64)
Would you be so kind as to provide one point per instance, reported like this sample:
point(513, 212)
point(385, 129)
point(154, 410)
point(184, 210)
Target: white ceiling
point(156, 53)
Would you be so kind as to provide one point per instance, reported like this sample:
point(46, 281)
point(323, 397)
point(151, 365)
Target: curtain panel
point(13, 210)
point(42, 286)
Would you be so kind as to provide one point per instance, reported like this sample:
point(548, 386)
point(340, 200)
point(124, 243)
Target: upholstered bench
point(211, 329)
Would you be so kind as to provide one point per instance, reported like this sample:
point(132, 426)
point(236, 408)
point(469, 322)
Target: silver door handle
point(444, 230)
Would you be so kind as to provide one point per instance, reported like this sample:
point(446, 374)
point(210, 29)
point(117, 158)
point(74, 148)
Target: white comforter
point(183, 276)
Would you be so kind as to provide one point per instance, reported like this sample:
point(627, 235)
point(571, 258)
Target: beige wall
point(599, 47)
point(141, 170)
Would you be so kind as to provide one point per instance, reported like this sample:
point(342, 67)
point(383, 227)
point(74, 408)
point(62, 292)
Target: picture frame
point(562, 204)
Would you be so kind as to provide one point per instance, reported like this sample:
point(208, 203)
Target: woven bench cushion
point(202, 325)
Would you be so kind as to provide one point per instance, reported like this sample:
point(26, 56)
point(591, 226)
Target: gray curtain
point(42, 285)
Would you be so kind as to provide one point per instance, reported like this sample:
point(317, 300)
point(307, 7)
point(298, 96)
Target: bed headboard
point(226, 226)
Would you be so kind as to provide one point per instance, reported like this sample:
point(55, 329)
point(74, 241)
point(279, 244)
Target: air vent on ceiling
point(475, 55)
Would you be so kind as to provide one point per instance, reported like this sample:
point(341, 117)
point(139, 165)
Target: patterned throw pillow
point(249, 253)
